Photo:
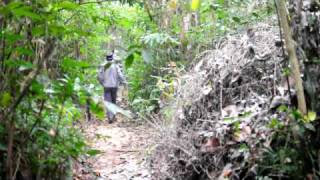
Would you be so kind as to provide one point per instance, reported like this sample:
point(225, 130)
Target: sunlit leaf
point(67, 5)
point(5, 99)
point(195, 4)
point(172, 4)
point(311, 116)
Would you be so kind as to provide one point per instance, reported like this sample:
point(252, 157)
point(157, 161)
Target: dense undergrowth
point(50, 52)
point(294, 151)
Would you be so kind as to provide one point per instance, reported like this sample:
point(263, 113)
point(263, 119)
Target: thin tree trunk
point(9, 163)
point(287, 33)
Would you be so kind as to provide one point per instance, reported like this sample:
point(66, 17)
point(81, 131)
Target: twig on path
point(129, 150)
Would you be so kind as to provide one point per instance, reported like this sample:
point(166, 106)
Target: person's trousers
point(110, 95)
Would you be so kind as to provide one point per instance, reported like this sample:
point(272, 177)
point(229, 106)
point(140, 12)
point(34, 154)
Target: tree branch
point(95, 2)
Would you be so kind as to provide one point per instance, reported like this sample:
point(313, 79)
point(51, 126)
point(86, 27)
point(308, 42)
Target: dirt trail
point(124, 149)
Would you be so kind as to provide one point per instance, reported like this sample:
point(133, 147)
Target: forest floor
point(123, 148)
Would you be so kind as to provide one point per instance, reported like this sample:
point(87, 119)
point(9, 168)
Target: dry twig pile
point(223, 109)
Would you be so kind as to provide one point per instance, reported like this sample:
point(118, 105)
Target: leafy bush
point(294, 150)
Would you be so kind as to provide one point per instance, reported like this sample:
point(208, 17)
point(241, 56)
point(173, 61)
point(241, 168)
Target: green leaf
point(22, 65)
point(37, 88)
point(312, 116)
point(26, 12)
point(12, 38)
point(5, 99)
point(38, 31)
point(274, 123)
point(24, 51)
point(93, 152)
point(255, 14)
point(97, 110)
point(129, 60)
point(236, 19)
point(282, 108)
point(14, 5)
point(68, 63)
point(57, 30)
point(67, 5)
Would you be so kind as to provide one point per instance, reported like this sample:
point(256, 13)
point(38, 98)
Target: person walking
point(111, 77)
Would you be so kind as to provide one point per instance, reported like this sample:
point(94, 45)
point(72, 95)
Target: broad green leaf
point(311, 116)
point(69, 63)
point(26, 12)
point(24, 51)
point(5, 99)
point(129, 60)
point(195, 4)
point(97, 110)
point(15, 4)
point(20, 64)
point(57, 30)
point(37, 88)
point(282, 108)
point(38, 31)
point(12, 38)
point(67, 5)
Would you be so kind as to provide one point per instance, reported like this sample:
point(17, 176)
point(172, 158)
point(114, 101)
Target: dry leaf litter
point(222, 110)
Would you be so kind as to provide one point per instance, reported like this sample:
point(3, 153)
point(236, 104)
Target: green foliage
point(50, 53)
point(42, 102)
point(294, 149)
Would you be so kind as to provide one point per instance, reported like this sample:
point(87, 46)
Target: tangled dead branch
point(223, 109)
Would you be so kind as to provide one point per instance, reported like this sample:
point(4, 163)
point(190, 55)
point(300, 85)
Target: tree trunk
point(295, 69)
point(305, 22)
